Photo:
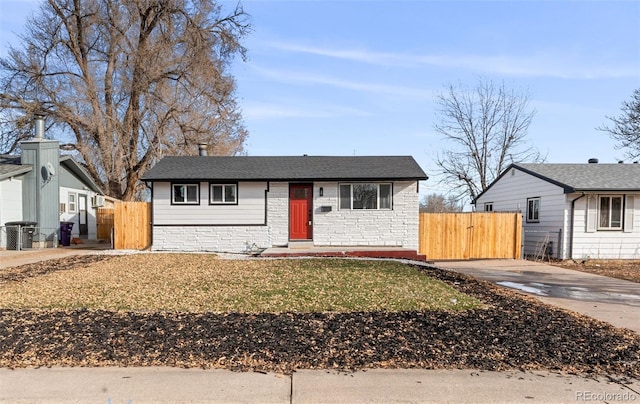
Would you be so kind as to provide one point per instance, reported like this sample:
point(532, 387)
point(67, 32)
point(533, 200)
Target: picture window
point(367, 196)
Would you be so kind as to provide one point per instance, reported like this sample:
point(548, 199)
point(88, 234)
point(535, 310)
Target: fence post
point(521, 234)
point(560, 253)
point(19, 241)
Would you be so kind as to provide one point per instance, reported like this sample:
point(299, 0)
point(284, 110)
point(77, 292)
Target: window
point(223, 194)
point(610, 212)
point(533, 210)
point(488, 207)
point(185, 194)
point(365, 196)
point(63, 208)
point(72, 203)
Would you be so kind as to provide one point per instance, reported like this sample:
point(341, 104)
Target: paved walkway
point(165, 385)
point(615, 301)
point(12, 258)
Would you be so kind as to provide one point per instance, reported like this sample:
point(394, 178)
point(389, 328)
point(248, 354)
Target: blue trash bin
point(65, 233)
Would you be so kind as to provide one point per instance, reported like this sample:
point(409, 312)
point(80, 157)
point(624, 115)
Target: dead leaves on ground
point(510, 332)
point(622, 269)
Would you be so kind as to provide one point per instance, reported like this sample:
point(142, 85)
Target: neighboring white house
point(75, 200)
point(574, 211)
point(80, 197)
point(234, 204)
point(11, 179)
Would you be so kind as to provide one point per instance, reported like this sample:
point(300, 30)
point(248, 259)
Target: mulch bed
point(512, 332)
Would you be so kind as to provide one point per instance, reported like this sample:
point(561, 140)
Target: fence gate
point(104, 222)
point(132, 225)
point(455, 236)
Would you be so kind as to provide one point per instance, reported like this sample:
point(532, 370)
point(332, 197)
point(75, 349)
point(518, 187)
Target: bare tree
point(626, 127)
point(438, 203)
point(127, 81)
point(485, 128)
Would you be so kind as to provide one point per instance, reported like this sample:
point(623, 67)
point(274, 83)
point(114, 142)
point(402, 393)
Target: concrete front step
point(343, 252)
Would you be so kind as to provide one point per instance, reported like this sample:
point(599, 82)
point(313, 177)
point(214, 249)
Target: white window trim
point(224, 201)
point(73, 206)
point(534, 200)
point(377, 184)
point(488, 206)
point(622, 212)
point(186, 193)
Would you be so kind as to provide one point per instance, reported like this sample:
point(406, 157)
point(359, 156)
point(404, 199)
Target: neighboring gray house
point(583, 210)
point(234, 204)
point(43, 187)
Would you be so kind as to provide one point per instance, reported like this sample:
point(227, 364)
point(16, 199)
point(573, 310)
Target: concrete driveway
point(615, 301)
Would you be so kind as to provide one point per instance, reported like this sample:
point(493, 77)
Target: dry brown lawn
point(622, 269)
point(167, 310)
point(204, 283)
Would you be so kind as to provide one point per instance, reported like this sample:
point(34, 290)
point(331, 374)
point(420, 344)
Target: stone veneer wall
point(397, 227)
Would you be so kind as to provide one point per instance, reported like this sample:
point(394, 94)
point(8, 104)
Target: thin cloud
point(540, 65)
point(318, 79)
point(255, 111)
point(376, 58)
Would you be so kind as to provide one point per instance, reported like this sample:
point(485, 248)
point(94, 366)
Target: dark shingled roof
point(587, 177)
point(285, 168)
point(10, 166)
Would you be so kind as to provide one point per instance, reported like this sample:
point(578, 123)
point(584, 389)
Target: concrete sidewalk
point(615, 301)
point(170, 385)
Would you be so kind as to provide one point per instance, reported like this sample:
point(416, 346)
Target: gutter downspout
point(573, 207)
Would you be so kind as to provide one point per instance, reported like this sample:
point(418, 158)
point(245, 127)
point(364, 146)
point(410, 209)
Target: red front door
point(300, 215)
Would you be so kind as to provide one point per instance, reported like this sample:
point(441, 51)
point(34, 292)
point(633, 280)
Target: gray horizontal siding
point(250, 210)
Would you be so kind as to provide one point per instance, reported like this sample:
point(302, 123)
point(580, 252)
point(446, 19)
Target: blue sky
point(359, 77)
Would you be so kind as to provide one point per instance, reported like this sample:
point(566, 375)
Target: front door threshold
point(301, 244)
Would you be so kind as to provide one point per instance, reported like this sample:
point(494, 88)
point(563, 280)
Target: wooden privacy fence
point(131, 224)
point(451, 236)
point(104, 221)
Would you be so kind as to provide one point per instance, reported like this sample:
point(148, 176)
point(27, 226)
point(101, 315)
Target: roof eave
point(72, 165)
point(565, 187)
point(20, 171)
point(289, 179)
point(600, 190)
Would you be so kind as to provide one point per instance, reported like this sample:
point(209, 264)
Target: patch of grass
point(204, 283)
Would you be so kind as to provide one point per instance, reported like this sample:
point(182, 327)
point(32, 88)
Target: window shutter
point(592, 213)
point(629, 208)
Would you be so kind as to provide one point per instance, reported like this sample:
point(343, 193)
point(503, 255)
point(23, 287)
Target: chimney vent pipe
point(202, 147)
point(39, 126)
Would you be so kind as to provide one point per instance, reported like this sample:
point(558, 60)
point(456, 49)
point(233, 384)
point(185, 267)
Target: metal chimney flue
point(38, 121)
point(202, 147)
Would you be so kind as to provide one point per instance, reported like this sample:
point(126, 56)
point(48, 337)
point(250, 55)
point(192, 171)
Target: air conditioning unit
point(98, 201)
